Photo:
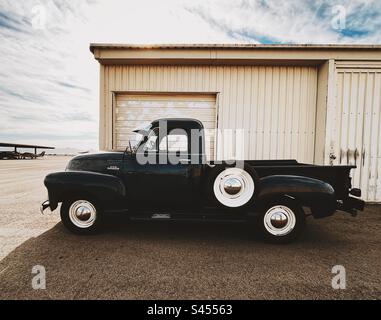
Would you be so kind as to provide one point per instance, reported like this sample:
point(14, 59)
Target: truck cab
point(164, 169)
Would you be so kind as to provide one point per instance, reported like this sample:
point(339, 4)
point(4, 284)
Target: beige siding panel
point(270, 110)
point(102, 108)
point(109, 104)
point(358, 64)
point(357, 136)
point(322, 112)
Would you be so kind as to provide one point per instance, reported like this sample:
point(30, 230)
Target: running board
point(196, 218)
point(161, 216)
point(148, 215)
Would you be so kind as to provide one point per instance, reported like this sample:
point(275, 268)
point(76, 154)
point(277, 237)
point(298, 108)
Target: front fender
point(103, 187)
point(308, 192)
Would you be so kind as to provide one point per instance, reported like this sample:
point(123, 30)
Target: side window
point(175, 142)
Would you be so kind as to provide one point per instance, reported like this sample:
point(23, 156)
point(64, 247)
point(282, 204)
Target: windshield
point(151, 144)
point(136, 140)
point(138, 137)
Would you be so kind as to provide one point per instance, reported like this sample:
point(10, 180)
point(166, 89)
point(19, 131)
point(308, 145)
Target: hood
point(100, 156)
point(97, 162)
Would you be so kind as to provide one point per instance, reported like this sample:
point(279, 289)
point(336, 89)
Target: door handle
point(184, 161)
point(332, 158)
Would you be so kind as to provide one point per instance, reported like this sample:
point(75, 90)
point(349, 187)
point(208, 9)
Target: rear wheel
point(281, 221)
point(81, 216)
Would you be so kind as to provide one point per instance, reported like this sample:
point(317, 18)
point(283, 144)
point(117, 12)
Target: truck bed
point(337, 176)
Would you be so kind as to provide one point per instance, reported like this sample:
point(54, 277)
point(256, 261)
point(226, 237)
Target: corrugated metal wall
point(274, 106)
point(356, 136)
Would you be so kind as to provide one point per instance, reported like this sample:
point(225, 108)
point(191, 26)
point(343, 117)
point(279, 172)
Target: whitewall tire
point(281, 221)
point(81, 215)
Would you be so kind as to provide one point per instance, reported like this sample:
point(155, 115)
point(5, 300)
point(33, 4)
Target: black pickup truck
point(166, 176)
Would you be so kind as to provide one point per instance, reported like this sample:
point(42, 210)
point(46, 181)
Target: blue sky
point(49, 79)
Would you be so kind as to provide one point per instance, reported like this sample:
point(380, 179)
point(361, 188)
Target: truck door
point(169, 179)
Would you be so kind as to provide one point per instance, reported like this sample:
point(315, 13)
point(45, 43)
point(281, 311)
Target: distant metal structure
point(16, 155)
point(25, 146)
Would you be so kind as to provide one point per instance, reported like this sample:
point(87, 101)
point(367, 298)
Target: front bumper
point(44, 206)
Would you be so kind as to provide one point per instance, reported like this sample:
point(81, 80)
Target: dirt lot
point(175, 260)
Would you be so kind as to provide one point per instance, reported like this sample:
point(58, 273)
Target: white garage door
point(134, 111)
point(356, 136)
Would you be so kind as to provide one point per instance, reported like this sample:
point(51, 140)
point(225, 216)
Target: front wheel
point(281, 221)
point(81, 216)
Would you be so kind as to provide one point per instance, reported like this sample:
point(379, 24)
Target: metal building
point(314, 103)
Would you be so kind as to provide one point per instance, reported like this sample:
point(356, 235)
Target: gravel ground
point(162, 260)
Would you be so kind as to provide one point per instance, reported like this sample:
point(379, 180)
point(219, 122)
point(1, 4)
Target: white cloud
point(49, 78)
point(294, 21)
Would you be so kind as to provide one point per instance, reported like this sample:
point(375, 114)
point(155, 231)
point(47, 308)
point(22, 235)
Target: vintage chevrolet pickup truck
point(166, 176)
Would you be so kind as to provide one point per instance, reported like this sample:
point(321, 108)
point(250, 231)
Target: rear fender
point(104, 188)
point(318, 195)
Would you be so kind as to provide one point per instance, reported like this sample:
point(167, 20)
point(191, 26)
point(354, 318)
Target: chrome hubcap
point(82, 214)
point(232, 186)
point(279, 220)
